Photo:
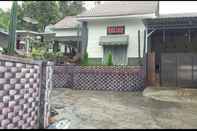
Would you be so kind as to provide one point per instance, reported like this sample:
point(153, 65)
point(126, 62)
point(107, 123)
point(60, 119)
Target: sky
point(166, 7)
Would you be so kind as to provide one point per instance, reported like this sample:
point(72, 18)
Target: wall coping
point(19, 59)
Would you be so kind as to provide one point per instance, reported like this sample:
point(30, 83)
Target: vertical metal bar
point(177, 59)
point(192, 69)
point(139, 52)
point(189, 35)
point(160, 72)
point(144, 43)
point(164, 36)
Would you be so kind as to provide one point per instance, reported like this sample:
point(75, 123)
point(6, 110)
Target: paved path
point(105, 109)
point(170, 94)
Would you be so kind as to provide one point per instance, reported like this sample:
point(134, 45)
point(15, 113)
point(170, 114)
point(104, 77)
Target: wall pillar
point(84, 37)
point(46, 88)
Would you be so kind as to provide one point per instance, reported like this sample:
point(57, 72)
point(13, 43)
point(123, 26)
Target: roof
point(67, 22)
point(33, 32)
point(119, 8)
point(3, 32)
point(178, 15)
point(67, 38)
point(172, 21)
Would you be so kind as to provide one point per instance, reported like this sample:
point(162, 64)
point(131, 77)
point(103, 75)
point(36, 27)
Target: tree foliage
point(70, 8)
point(4, 19)
point(45, 12)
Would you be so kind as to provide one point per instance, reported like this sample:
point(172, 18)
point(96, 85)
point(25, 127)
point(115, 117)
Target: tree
point(45, 12)
point(4, 19)
point(20, 16)
point(70, 8)
point(12, 29)
point(63, 8)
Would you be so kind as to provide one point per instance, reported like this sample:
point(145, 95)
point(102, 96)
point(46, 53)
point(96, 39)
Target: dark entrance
point(175, 56)
point(119, 54)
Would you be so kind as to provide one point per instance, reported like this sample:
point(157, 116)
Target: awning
point(114, 40)
point(67, 38)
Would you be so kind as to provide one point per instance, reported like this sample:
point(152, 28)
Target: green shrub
point(49, 56)
point(37, 54)
point(53, 56)
point(5, 51)
point(109, 59)
point(85, 59)
point(59, 54)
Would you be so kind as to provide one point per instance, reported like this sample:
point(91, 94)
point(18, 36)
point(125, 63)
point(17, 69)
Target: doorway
point(119, 54)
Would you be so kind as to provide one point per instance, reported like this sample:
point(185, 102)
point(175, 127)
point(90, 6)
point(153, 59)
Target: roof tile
point(116, 8)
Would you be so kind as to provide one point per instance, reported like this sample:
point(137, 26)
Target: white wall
point(99, 28)
point(66, 32)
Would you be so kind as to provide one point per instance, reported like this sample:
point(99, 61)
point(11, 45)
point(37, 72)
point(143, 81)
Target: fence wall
point(115, 78)
point(20, 93)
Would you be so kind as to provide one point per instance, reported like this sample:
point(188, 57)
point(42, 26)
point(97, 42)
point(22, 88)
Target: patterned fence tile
point(19, 94)
point(121, 78)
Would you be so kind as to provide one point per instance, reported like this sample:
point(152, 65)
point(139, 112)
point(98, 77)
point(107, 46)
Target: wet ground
point(109, 110)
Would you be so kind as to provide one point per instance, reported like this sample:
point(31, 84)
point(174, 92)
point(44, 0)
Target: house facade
point(117, 28)
point(25, 40)
point(67, 35)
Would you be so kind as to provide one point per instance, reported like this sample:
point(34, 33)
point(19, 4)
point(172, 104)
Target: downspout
point(157, 10)
point(144, 54)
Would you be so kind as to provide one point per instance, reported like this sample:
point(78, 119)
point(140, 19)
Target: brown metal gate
point(179, 69)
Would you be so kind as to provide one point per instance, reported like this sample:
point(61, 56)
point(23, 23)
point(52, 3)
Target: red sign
point(115, 30)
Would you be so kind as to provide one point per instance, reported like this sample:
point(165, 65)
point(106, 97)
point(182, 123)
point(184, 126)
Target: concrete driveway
point(84, 109)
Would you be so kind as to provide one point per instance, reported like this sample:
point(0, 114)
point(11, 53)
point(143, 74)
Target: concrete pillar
point(84, 37)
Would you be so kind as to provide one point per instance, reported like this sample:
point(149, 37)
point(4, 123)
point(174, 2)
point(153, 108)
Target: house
point(116, 27)
point(171, 50)
point(25, 40)
point(67, 35)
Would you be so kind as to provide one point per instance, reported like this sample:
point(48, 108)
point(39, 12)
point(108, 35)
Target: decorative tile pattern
point(115, 78)
point(19, 95)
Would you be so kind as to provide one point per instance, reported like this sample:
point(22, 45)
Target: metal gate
point(179, 69)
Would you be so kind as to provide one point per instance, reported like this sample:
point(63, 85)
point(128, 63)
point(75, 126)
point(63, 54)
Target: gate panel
point(179, 69)
point(184, 70)
point(194, 69)
point(168, 70)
